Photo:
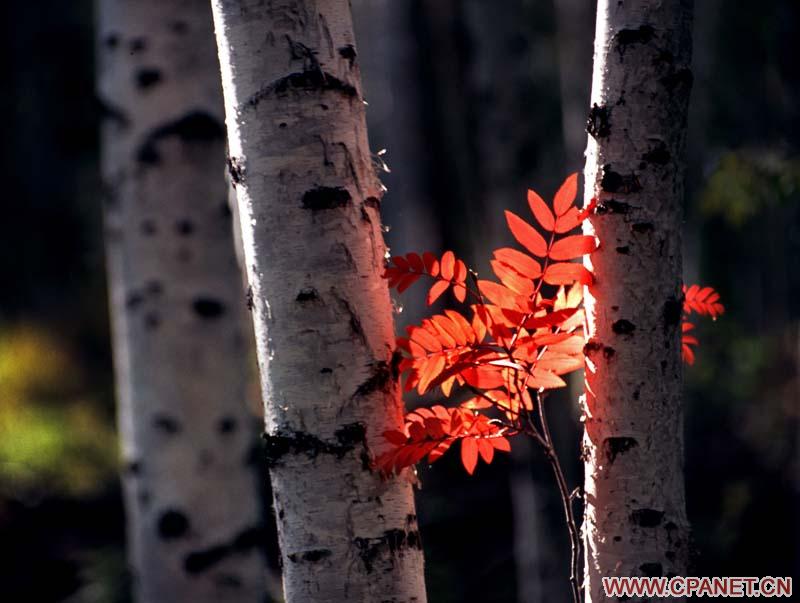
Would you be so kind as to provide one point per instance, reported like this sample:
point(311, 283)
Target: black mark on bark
point(137, 45)
point(642, 227)
point(624, 250)
point(236, 172)
point(208, 308)
point(593, 346)
point(612, 206)
point(179, 27)
point(194, 127)
point(598, 124)
point(615, 446)
point(307, 295)
point(166, 423)
point(326, 197)
point(380, 379)
point(391, 543)
point(152, 321)
point(659, 154)
point(111, 40)
point(112, 113)
point(626, 37)
point(172, 524)
point(623, 327)
point(184, 227)
point(614, 182)
point(310, 80)
point(227, 425)
point(147, 77)
point(248, 298)
point(282, 443)
point(348, 52)
point(312, 556)
point(647, 518)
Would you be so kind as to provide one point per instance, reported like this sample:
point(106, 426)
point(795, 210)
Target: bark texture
point(309, 203)
point(177, 306)
point(635, 520)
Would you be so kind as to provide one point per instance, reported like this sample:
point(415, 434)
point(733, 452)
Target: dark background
point(473, 103)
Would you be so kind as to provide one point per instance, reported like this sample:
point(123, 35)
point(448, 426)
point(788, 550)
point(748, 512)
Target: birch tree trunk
point(309, 203)
point(177, 309)
point(635, 519)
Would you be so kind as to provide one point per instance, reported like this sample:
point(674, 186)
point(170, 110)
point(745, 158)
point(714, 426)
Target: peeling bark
point(177, 306)
point(635, 519)
point(314, 250)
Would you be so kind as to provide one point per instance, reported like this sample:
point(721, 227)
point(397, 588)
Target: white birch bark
point(635, 519)
point(177, 308)
point(309, 203)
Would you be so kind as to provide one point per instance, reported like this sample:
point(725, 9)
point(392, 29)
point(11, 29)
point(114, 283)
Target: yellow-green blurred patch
point(745, 183)
point(53, 438)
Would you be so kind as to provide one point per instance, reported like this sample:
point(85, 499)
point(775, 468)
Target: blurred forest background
point(474, 101)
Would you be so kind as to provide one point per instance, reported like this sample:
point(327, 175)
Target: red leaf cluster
point(703, 301)
point(431, 431)
point(517, 334)
point(448, 271)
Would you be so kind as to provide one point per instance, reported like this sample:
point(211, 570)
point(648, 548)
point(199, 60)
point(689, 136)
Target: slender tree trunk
point(194, 521)
point(309, 203)
point(635, 520)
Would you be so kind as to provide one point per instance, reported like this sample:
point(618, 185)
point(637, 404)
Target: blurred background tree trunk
point(309, 202)
point(635, 510)
point(181, 349)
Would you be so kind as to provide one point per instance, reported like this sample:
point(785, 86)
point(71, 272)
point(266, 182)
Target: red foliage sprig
point(703, 301)
point(514, 339)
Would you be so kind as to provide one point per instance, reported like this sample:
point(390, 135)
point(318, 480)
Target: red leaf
point(460, 272)
point(398, 438)
point(448, 265)
point(469, 454)
point(501, 443)
point(565, 196)
point(436, 291)
point(425, 339)
point(540, 210)
point(568, 221)
point(500, 295)
point(566, 274)
point(521, 262)
point(526, 235)
point(408, 280)
point(486, 450)
point(512, 279)
point(415, 262)
point(431, 263)
point(571, 247)
point(484, 377)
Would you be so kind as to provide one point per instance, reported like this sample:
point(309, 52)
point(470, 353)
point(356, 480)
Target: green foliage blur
point(53, 439)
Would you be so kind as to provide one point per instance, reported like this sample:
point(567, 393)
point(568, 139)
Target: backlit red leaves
point(703, 301)
point(431, 431)
point(404, 271)
point(518, 341)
